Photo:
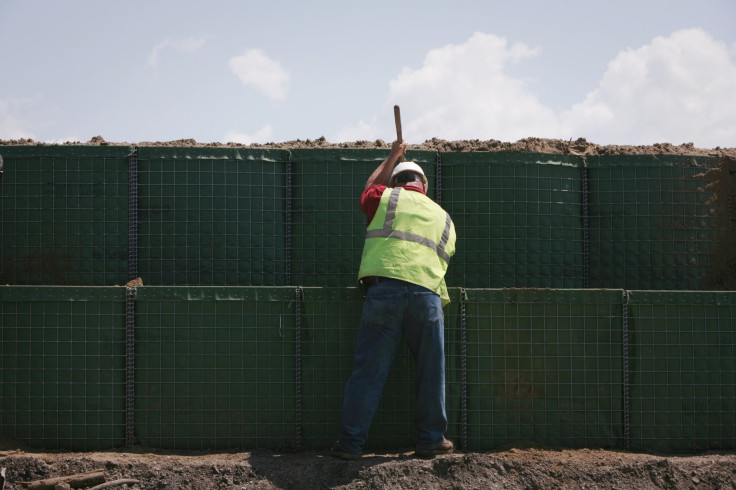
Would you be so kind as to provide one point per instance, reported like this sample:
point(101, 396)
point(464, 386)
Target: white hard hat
point(407, 167)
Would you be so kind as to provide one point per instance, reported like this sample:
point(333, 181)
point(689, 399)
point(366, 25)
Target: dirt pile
point(579, 146)
point(517, 468)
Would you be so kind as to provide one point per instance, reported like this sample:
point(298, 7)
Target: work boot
point(444, 447)
point(338, 452)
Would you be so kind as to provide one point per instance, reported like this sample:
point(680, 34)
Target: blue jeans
point(394, 308)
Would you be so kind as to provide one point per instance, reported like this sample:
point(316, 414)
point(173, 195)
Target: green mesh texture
point(214, 217)
point(518, 218)
point(270, 217)
point(545, 366)
point(64, 215)
point(215, 367)
point(245, 367)
point(651, 223)
point(683, 381)
point(62, 367)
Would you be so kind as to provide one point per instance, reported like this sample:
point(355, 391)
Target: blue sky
point(625, 72)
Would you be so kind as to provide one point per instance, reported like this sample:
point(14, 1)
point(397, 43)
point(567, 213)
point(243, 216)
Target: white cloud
point(263, 135)
point(676, 89)
point(255, 68)
point(463, 92)
point(188, 45)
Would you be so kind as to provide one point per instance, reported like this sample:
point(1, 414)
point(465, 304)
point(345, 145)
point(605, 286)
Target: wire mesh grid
point(544, 366)
point(64, 217)
point(519, 220)
point(683, 380)
point(212, 219)
point(652, 225)
point(62, 368)
point(215, 368)
point(327, 359)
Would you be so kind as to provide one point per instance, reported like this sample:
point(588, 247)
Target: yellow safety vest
point(410, 238)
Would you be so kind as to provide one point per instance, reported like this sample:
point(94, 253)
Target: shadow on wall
point(721, 273)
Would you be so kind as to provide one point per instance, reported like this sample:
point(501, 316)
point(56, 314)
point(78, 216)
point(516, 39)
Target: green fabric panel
point(651, 225)
point(682, 370)
point(330, 318)
point(209, 216)
point(62, 367)
point(215, 371)
point(328, 226)
point(518, 219)
point(545, 366)
point(64, 215)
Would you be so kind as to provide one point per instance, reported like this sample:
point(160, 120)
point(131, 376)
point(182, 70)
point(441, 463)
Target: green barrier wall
point(652, 225)
point(246, 367)
point(215, 217)
point(215, 368)
point(545, 366)
point(64, 215)
point(518, 219)
point(243, 334)
point(202, 216)
point(62, 367)
point(683, 383)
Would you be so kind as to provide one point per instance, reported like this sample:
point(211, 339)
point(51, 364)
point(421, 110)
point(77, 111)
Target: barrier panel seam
point(463, 373)
point(586, 225)
point(133, 215)
point(438, 179)
point(625, 368)
point(298, 366)
point(129, 366)
point(288, 217)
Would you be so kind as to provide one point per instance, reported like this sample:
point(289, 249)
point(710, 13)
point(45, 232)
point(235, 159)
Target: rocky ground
point(513, 468)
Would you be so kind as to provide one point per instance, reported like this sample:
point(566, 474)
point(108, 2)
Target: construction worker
point(409, 242)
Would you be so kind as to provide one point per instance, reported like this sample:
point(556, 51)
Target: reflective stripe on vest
point(388, 232)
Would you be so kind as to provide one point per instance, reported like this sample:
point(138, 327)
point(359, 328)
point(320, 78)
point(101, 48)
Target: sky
point(625, 72)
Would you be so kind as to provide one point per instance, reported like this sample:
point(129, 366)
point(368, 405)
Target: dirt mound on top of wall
point(579, 146)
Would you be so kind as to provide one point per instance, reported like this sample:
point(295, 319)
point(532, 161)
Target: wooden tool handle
point(397, 119)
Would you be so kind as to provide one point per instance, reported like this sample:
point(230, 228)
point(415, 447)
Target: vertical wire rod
point(586, 227)
point(298, 366)
point(625, 353)
point(133, 215)
point(129, 366)
point(463, 373)
point(287, 219)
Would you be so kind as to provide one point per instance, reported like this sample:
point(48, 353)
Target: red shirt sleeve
point(370, 199)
